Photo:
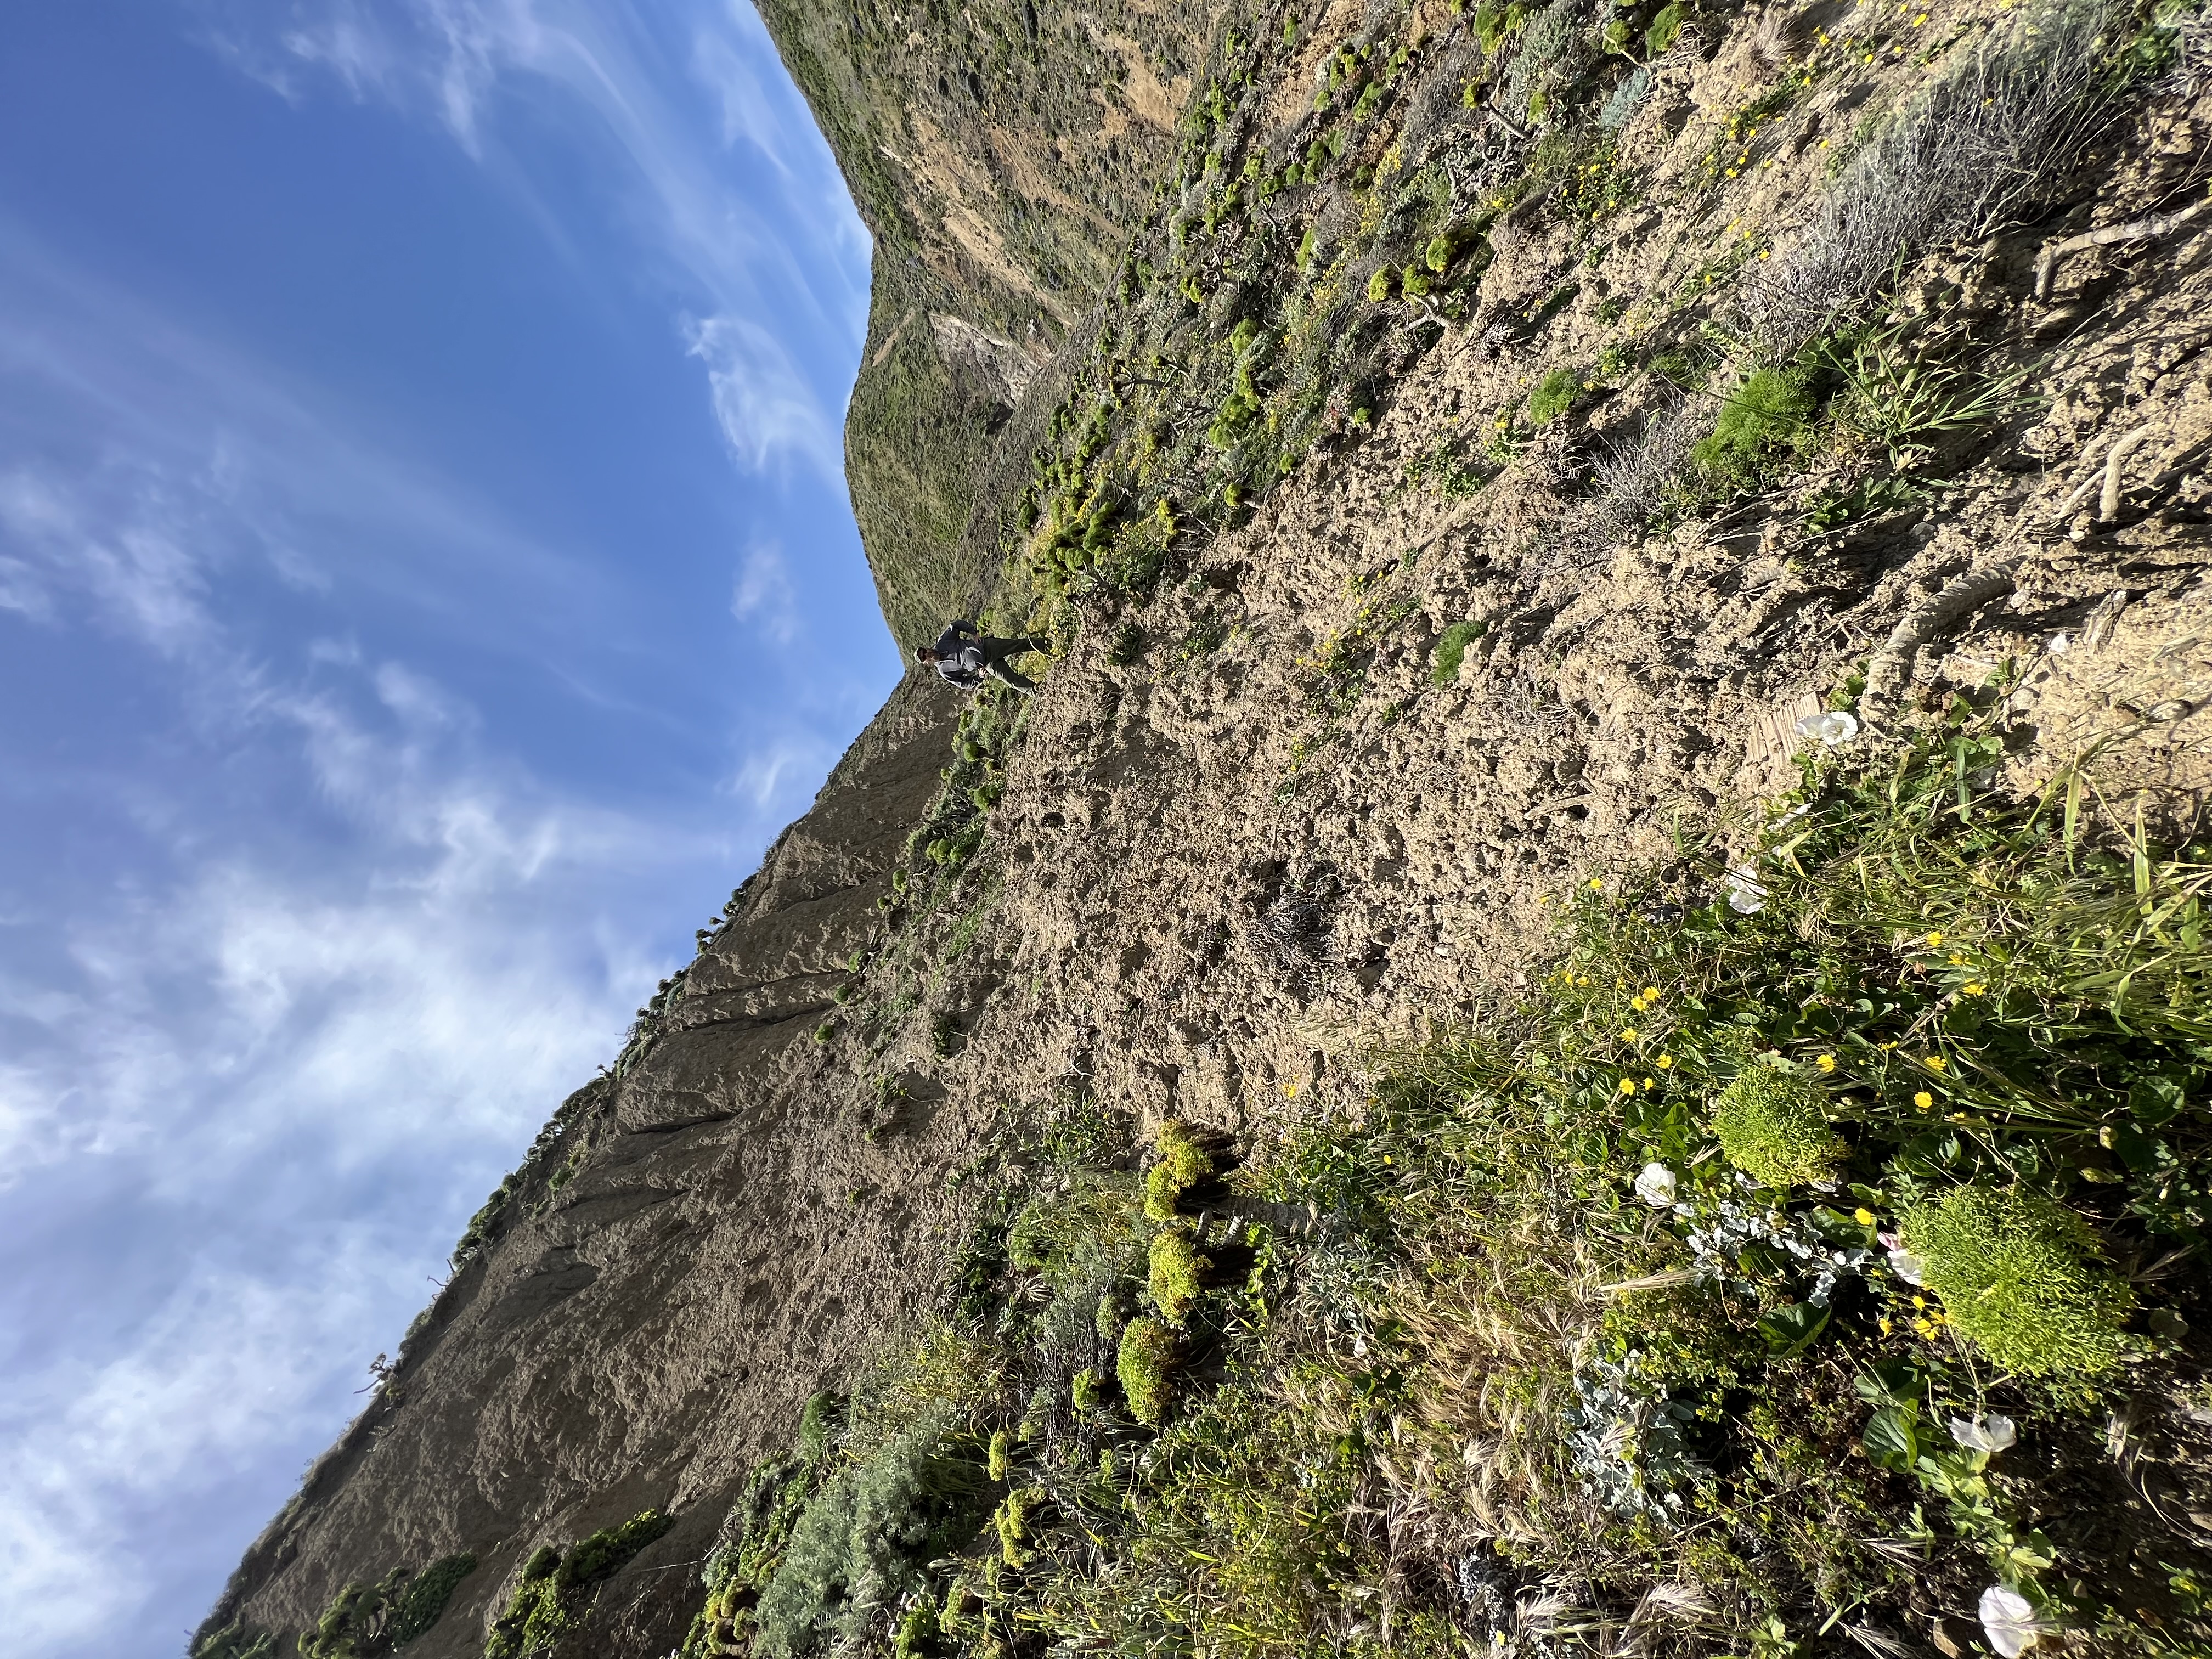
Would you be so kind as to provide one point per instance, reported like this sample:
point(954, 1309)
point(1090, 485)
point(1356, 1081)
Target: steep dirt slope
point(677, 1265)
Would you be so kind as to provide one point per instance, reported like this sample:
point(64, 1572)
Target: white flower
point(1746, 896)
point(1830, 728)
point(1984, 1434)
point(1655, 1185)
point(2060, 645)
point(2009, 1622)
point(1908, 1266)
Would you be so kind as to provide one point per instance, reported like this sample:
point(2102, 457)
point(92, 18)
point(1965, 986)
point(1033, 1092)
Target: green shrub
point(608, 1550)
point(423, 1601)
point(1001, 1448)
point(1383, 284)
point(1088, 1391)
point(2020, 1278)
point(1767, 412)
point(865, 1535)
point(1013, 1520)
point(1181, 1162)
point(536, 1616)
point(1554, 395)
point(1112, 1316)
point(917, 1637)
point(1496, 23)
point(825, 1031)
point(1177, 1274)
point(1451, 650)
point(773, 1497)
point(1773, 1125)
point(235, 1641)
point(1145, 1366)
point(1664, 29)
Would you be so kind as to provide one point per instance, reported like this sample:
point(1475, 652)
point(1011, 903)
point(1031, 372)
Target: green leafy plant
point(1011, 1521)
point(1764, 415)
point(2020, 1278)
point(1554, 396)
point(1178, 1272)
point(1180, 1162)
point(1772, 1125)
point(1145, 1366)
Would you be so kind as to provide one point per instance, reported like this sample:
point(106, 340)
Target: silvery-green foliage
point(1630, 1442)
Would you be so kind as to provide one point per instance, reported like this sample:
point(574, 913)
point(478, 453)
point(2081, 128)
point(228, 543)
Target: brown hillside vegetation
point(1576, 1021)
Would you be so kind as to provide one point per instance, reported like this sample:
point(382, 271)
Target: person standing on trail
point(963, 656)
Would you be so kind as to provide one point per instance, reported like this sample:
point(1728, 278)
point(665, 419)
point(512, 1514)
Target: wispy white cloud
point(762, 405)
point(739, 245)
point(764, 597)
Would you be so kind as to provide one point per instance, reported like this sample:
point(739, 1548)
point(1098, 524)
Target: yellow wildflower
point(1826, 1062)
point(1627, 1087)
point(1863, 1216)
point(1923, 1100)
point(1664, 1061)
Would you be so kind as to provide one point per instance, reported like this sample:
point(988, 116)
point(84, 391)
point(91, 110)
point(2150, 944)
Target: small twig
point(2046, 263)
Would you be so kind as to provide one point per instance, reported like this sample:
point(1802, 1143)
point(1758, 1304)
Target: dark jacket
point(959, 659)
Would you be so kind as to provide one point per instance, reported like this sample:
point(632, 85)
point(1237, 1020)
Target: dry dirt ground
point(1219, 867)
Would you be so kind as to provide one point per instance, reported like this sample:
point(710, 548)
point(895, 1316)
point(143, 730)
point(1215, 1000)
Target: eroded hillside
point(1575, 1021)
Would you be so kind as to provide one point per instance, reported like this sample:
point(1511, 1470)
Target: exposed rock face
point(1252, 821)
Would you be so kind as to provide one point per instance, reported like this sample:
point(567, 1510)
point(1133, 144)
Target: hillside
point(1577, 1020)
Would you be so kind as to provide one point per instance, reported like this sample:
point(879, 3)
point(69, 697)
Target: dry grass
point(1987, 140)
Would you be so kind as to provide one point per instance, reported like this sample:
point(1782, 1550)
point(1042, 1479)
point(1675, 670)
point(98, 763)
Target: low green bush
point(1011, 1520)
point(422, 1603)
point(1772, 1125)
point(1087, 1393)
point(2021, 1279)
point(918, 1633)
point(865, 1535)
point(1181, 1162)
point(1766, 413)
point(1554, 396)
point(1178, 1273)
point(1145, 1366)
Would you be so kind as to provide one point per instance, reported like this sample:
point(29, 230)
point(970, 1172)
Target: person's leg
point(1006, 674)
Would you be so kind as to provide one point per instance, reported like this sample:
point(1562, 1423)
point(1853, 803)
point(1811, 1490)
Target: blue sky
point(426, 585)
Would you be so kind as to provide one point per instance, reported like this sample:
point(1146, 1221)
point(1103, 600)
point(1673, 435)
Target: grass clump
point(1145, 1366)
point(1772, 1125)
point(1181, 1162)
point(2021, 1279)
point(1451, 650)
point(1178, 1272)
